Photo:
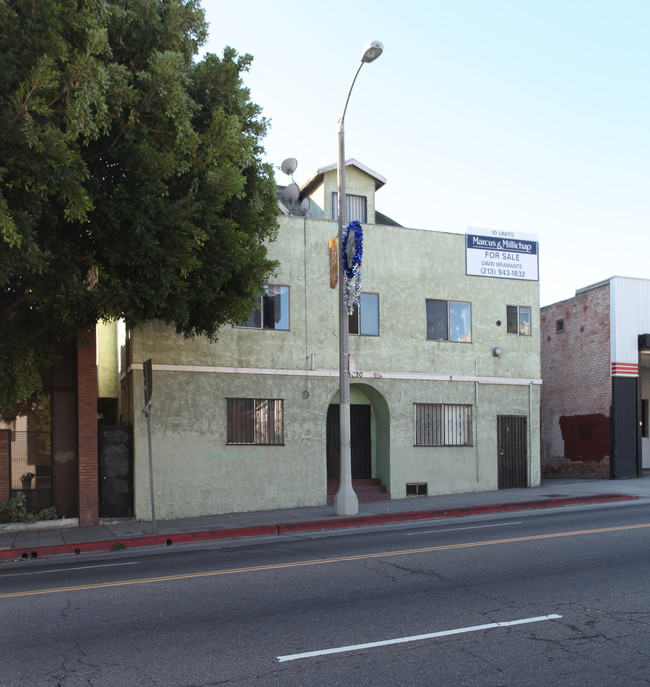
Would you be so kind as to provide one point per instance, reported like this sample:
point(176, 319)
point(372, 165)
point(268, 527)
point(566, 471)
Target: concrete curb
point(39, 525)
point(151, 540)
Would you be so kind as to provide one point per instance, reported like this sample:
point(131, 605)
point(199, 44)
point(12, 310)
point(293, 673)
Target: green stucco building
point(445, 381)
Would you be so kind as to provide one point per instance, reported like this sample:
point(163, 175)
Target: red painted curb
point(286, 528)
point(384, 518)
point(135, 542)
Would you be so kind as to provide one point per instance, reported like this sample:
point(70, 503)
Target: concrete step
point(367, 490)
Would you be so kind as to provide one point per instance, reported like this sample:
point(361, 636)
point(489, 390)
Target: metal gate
point(115, 472)
point(513, 451)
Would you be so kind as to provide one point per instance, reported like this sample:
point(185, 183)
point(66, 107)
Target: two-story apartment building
point(445, 383)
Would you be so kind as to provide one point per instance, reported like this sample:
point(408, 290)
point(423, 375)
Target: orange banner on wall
point(334, 263)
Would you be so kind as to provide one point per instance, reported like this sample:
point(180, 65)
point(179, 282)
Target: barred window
point(442, 424)
point(256, 421)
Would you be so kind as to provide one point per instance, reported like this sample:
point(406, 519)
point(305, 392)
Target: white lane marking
point(416, 638)
point(456, 529)
point(64, 570)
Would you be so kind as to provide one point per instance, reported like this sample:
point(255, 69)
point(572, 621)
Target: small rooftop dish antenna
point(289, 166)
point(290, 204)
point(291, 192)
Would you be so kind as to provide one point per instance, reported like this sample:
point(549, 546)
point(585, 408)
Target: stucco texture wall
point(197, 472)
point(357, 183)
point(457, 469)
point(405, 267)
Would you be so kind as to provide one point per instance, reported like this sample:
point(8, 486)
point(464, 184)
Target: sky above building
point(516, 115)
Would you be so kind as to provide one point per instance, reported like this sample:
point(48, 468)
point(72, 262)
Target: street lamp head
point(371, 51)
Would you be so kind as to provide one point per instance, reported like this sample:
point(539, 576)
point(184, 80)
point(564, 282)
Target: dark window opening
point(273, 310)
point(518, 320)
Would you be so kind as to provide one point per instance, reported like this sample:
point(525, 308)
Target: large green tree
point(131, 180)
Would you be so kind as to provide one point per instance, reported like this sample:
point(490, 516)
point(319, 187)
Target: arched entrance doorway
point(360, 441)
point(369, 435)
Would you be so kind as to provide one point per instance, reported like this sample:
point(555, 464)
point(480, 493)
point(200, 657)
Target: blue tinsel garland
point(358, 253)
point(352, 272)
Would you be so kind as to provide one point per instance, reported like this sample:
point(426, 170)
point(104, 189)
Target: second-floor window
point(449, 321)
point(273, 311)
point(518, 320)
point(365, 318)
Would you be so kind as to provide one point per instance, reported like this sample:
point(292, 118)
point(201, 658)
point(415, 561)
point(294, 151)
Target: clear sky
point(530, 116)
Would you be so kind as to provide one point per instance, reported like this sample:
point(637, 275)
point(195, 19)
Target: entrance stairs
point(367, 490)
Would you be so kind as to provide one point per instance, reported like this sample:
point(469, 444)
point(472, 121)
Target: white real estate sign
point(501, 254)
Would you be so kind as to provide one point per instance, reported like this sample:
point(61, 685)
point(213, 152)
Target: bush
point(15, 510)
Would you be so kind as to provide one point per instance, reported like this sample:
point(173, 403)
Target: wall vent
point(416, 489)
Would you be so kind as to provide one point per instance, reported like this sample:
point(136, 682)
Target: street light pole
point(346, 500)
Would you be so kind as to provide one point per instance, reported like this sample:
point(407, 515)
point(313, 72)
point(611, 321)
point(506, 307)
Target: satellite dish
point(289, 165)
point(304, 206)
point(291, 193)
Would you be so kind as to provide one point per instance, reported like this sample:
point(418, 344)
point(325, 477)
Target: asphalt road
point(536, 598)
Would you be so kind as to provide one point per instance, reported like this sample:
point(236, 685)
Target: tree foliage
point(131, 181)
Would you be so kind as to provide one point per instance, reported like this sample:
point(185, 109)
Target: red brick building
point(595, 365)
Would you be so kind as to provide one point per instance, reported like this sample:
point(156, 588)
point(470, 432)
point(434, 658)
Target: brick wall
point(576, 385)
point(87, 428)
point(5, 438)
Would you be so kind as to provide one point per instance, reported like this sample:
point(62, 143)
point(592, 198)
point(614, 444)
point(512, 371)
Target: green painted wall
point(196, 472)
point(405, 266)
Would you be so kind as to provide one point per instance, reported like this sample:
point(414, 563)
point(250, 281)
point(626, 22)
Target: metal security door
point(115, 472)
point(360, 442)
point(360, 455)
point(513, 451)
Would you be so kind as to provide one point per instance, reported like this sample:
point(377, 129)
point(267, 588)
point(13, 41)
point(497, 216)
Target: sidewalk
point(22, 542)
